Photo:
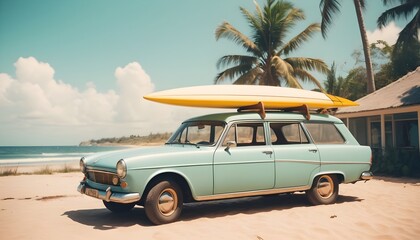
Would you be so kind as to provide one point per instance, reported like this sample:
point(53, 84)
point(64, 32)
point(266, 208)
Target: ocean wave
point(30, 161)
point(81, 154)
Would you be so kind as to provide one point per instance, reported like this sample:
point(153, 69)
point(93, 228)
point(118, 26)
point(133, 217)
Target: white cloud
point(35, 97)
point(388, 34)
point(38, 109)
point(133, 82)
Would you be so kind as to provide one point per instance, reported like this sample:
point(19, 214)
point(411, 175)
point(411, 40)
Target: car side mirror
point(230, 144)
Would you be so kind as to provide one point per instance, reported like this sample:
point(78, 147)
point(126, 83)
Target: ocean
point(29, 155)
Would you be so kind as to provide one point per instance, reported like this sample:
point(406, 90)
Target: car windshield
point(198, 133)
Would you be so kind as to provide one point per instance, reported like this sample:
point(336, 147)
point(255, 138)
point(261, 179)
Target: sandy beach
point(49, 207)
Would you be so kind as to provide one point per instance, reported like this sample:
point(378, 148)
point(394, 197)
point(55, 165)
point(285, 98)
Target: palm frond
point(308, 64)
point(294, 15)
point(307, 77)
point(255, 20)
point(386, 2)
point(235, 60)
point(232, 73)
point(283, 17)
point(362, 4)
point(283, 68)
point(249, 78)
point(284, 71)
point(410, 31)
point(291, 81)
point(304, 36)
point(328, 8)
point(403, 10)
point(226, 30)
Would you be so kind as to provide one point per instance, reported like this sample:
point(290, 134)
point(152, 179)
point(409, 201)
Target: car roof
point(270, 116)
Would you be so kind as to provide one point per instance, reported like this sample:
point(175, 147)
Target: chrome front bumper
point(108, 195)
point(366, 175)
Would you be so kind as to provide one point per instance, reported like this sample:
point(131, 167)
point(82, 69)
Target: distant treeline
point(151, 139)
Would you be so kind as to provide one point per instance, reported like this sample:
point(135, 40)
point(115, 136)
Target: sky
point(77, 70)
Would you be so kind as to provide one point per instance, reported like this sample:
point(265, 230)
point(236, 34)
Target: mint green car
point(229, 155)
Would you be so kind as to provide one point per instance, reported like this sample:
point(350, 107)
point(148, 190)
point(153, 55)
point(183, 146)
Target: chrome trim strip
point(109, 196)
point(244, 162)
point(299, 161)
point(326, 163)
point(172, 166)
point(230, 163)
point(251, 193)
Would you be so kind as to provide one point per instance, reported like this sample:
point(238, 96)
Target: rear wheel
point(119, 207)
point(164, 202)
point(324, 190)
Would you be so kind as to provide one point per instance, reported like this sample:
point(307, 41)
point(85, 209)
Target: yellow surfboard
point(238, 96)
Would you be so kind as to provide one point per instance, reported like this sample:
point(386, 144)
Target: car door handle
point(313, 150)
point(268, 152)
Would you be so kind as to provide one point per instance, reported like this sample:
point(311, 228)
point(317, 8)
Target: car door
point(296, 157)
point(244, 161)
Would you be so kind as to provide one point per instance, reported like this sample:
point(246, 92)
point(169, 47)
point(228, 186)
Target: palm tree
point(267, 61)
point(330, 84)
point(405, 9)
point(328, 9)
point(406, 52)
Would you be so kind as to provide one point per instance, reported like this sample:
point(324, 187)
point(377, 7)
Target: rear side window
point(324, 133)
point(287, 133)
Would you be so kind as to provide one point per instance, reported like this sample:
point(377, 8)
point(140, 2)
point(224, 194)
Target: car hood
point(108, 160)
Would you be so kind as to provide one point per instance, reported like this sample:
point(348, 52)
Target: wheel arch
point(174, 176)
point(340, 176)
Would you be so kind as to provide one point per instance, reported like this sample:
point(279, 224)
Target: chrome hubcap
point(325, 186)
point(168, 202)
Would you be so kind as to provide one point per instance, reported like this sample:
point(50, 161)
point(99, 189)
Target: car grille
point(101, 177)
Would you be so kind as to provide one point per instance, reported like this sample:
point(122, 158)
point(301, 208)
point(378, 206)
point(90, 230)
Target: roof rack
point(260, 109)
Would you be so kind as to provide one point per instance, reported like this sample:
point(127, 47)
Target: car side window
point(287, 133)
point(246, 134)
point(324, 133)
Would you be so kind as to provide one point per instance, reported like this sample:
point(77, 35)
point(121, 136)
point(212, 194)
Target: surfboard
point(238, 96)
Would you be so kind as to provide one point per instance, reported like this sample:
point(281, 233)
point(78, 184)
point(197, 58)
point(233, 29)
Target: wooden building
point(388, 118)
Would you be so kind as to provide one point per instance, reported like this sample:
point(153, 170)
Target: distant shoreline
point(153, 139)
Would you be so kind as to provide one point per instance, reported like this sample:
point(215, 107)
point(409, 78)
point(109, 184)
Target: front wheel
point(118, 207)
point(324, 190)
point(164, 202)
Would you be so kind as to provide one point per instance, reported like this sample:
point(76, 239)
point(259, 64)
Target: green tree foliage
point(405, 58)
point(388, 68)
point(354, 87)
point(268, 60)
point(330, 84)
point(336, 85)
point(152, 138)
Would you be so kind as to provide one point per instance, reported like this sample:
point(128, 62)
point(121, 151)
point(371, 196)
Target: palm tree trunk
point(366, 50)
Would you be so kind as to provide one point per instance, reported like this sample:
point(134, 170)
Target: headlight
point(121, 168)
point(82, 165)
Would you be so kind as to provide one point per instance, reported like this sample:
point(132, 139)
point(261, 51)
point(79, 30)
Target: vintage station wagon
point(229, 155)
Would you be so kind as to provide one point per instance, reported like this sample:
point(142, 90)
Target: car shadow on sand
point(103, 219)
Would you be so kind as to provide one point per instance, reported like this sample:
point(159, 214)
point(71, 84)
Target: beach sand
point(32, 168)
point(49, 207)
